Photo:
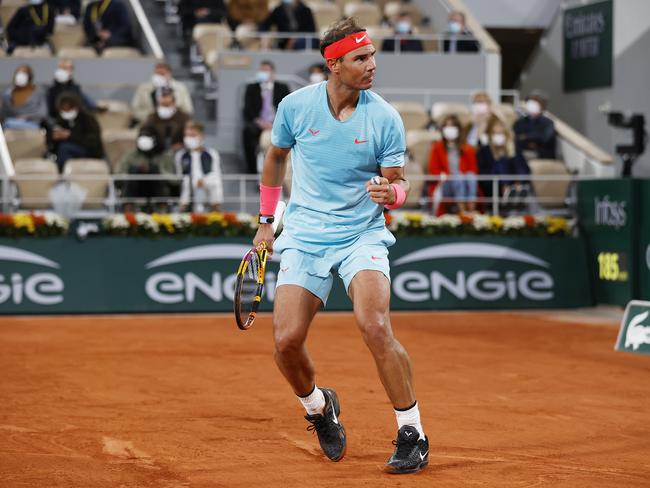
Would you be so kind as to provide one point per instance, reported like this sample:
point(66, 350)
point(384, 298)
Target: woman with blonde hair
point(23, 104)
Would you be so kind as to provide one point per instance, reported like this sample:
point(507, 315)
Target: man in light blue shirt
point(347, 147)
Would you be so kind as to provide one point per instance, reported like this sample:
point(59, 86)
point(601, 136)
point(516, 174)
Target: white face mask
point(316, 78)
point(21, 79)
point(455, 27)
point(158, 81)
point(480, 108)
point(62, 75)
point(450, 132)
point(403, 27)
point(262, 76)
point(192, 143)
point(145, 143)
point(533, 107)
point(69, 114)
point(499, 139)
point(166, 112)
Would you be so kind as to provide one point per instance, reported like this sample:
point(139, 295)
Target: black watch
point(265, 219)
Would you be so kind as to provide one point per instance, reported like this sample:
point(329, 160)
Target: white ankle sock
point(314, 403)
point(410, 417)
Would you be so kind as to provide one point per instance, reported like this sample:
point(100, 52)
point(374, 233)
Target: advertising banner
point(119, 274)
point(644, 242)
point(634, 334)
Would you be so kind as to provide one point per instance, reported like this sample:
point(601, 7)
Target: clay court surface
point(508, 400)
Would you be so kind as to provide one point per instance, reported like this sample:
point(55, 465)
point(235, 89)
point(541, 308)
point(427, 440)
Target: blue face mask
point(262, 76)
point(454, 27)
point(287, 2)
point(403, 27)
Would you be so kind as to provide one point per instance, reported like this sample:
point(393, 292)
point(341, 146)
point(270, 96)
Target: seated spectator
point(481, 112)
point(451, 156)
point(23, 104)
point(194, 12)
point(403, 31)
point(201, 169)
point(497, 157)
point(144, 99)
point(260, 104)
point(31, 25)
point(168, 121)
point(534, 132)
point(291, 16)
point(64, 83)
point(149, 158)
point(317, 73)
point(247, 11)
point(74, 132)
point(107, 24)
point(66, 8)
point(456, 28)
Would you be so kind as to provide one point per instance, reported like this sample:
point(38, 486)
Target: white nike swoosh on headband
point(360, 39)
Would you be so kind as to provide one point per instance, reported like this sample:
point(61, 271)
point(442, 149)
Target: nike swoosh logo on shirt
point(357, 141)
point(359, 39)
point(314, 132)
point(375, 258)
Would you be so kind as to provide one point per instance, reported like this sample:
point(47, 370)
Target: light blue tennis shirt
point(332, 160)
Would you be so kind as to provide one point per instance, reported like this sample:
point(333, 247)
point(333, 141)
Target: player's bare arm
point(275, 167)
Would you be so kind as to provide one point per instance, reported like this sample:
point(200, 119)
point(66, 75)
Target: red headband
point(349, 43)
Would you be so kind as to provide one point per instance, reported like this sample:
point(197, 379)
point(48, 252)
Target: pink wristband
point(269, 198)
point(400, 197)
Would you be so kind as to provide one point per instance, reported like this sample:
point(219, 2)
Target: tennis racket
point(250, 279)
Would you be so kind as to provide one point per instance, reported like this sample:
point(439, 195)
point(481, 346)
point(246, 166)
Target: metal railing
point(431, 95)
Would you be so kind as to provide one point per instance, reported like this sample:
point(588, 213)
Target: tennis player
point(340, 135)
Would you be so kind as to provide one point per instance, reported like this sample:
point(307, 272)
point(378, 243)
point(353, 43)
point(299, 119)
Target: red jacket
point(438, 164)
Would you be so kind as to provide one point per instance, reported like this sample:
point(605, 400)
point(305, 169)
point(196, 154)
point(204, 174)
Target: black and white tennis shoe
point(411, 453)
point(328, 427)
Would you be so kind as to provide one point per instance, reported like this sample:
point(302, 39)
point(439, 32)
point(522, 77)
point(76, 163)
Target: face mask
point(454, 27)
point(499, 139)
point(480, 108)
point(35, 2)
point(287, 2)
point(192, 143)
point(403, 27)
point(21, 79)
point(316, 78)
point(262, 76)
point(533, 107)
point(69, 114)
point(62, 75)
point(158, 80)
point(145, 143)
point(166, 112)
point(450, 132)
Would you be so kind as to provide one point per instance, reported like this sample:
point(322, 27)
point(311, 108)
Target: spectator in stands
point(149, 158)
point(291, 16)
point(317, 73)
point(498, 157)
point(74, 132)
point(31, 25)
point(194, 12)
point(451, 156)
point(168, 121)
point(481, 112)
point(403, 39)
point(260, 104)
point(64, 83)
point(201, 169)
point(534, 132)
point(247, 11)
point(66, 8)
point(144, 99)
point(455, 29)
point(107, 24)
point(23, 104)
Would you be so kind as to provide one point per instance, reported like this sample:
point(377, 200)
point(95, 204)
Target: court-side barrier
point(131, 275)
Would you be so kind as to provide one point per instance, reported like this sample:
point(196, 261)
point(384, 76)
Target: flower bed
point(214, 224)
point(22, 224)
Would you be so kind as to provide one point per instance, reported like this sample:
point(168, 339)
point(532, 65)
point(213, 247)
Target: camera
point(629, 152)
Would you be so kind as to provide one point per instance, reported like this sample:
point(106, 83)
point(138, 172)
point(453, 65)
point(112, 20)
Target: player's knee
point(287, 344)
point(377, 334)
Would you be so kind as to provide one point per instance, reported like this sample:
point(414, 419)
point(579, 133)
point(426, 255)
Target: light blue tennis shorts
point(312, 266)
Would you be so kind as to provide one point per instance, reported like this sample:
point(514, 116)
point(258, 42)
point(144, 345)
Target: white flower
point(481, 222)
point(450, 220)
point(117, 221)
point(510, 223)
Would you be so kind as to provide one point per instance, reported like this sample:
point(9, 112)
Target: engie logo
point(609, 213)
point(483, 285)
point(171, 287)
point(40, 288)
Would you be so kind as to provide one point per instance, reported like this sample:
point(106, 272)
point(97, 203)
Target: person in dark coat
point(456, 27)
point(535, 136)
point(66, 7)
point(403, 27)
point(64, 83)
point(167, 120)
point(291, 16)
point(194, 12)
point(261, 101)
point(74, 132)
point(107, 24)
point(31, 25)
